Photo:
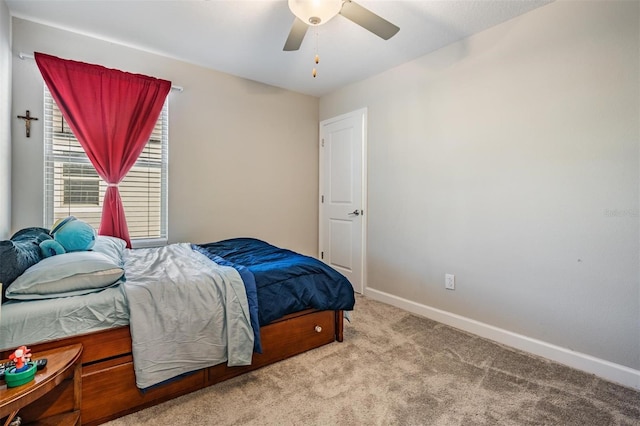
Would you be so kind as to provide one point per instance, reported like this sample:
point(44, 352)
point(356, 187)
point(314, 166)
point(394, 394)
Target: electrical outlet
point(449, 281)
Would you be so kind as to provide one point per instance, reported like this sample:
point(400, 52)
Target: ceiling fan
point(317, 12)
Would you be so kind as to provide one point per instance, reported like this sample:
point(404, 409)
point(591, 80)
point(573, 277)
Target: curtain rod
point(24, 56)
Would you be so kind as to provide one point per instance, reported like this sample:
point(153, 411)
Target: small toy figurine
point(21, 357)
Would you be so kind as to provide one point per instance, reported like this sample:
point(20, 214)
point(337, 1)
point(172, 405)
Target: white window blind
point(73, 187)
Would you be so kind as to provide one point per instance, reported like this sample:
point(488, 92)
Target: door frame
point(360, 114)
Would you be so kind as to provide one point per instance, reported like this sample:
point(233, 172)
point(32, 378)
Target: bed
point(291, 303)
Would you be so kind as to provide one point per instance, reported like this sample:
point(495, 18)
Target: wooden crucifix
point(27, 122)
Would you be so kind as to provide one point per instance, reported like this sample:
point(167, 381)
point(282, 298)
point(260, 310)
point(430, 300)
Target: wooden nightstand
point(62, 363)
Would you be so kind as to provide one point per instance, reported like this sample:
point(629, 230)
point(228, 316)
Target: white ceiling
point(245, 38)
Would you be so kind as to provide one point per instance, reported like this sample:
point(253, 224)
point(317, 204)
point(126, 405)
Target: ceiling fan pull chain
point(317, 58)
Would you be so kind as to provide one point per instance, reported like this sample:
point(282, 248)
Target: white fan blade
point(368, 20)
point(296, 35)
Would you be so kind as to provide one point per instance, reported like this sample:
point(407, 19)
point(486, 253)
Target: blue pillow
point(20, 253)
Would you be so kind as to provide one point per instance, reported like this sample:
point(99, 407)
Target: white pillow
point(68, 274)
point(110, 246)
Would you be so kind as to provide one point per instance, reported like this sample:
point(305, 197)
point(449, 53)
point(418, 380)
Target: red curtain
point(112, 113)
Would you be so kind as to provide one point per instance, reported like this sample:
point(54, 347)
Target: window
point(73, 187)
point(81, 185)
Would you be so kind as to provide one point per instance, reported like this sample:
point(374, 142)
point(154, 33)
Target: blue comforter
point(286, 281)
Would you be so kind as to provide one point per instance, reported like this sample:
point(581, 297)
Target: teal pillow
point(68, 274)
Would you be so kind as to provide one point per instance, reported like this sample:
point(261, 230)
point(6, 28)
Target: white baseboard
point(607, 370)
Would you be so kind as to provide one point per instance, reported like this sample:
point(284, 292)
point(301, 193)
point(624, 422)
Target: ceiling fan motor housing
point(315, 12)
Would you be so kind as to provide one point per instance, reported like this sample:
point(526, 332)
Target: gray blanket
point(186, 313)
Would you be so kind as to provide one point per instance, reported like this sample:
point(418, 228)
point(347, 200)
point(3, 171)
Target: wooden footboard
point(108, 381)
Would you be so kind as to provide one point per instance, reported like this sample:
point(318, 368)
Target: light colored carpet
point(395, 368)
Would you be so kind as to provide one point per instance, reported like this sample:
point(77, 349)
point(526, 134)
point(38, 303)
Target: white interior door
point(342, 195)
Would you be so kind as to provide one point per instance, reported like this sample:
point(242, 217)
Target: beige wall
point(243, 157)
point(511, 159)
point(5, 121)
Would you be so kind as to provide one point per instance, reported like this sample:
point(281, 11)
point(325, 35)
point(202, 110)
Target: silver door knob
point(356, 212)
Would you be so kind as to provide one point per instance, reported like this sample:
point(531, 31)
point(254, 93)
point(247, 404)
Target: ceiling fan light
point(315, 12)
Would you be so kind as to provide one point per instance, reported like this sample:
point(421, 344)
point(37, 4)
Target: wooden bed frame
point(108, 382)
